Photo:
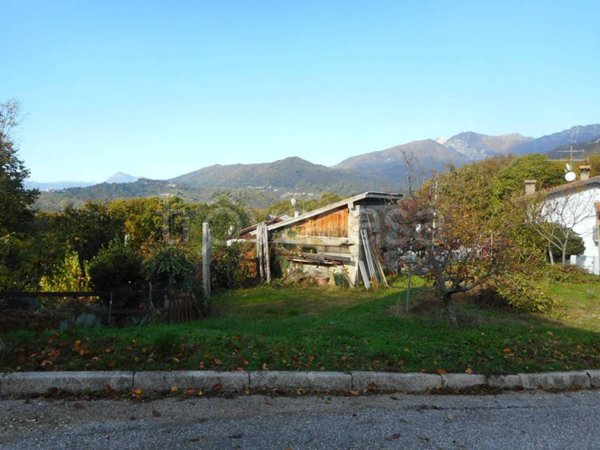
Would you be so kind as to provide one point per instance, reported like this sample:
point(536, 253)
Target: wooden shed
point(346, 238)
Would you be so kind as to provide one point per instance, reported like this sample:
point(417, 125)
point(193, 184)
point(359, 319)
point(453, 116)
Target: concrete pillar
point(530, 187)
point(584, 173)
point(354, 238)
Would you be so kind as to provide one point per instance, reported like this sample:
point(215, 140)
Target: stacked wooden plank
point(370, 267)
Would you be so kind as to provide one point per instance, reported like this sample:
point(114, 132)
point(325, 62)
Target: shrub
point(69, 276)
point(231, 267)
point(117, 267)
point(569, 274)
point(170, 267)
point(524, 292)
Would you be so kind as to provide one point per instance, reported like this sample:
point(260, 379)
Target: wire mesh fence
point(47, 310)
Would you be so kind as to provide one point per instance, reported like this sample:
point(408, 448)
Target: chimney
point(584, 173)
point(530, 187)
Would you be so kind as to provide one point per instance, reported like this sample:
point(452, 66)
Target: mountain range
point(386, 169)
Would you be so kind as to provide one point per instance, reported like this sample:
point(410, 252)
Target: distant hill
point(57, 200)
point(293, 173)
point(475, 146)
point(120, 177)
point(260, 184)
point(389, 165)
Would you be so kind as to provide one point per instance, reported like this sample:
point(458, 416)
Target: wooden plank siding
point(332, 224)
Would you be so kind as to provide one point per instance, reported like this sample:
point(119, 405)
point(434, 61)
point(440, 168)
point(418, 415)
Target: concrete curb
point(23, 384)
point(395, 382)
point(39, 383)
point(307, 381)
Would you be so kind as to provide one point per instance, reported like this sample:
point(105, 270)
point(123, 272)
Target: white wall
point(582, 204)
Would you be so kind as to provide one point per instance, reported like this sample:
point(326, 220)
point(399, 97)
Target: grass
point(324, 329)
point(579, 304)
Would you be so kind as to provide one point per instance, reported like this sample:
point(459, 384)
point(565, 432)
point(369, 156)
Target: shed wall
point(333, 224)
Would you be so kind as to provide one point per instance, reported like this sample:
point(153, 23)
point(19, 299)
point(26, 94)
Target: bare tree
point(554, 218)
point(9, 114)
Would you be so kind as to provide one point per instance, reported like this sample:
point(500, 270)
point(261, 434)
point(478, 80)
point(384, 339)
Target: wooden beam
point(317, 256)
point(364, 274)
point(314, 240)
point(313, 262)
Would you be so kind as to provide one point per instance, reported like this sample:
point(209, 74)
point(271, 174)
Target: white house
point(577, 205)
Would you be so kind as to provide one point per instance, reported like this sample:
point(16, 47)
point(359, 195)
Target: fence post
point(260, 251)
point(206, 257)
point(267, 258)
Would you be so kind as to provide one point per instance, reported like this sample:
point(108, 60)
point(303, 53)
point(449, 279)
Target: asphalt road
point(510, 420)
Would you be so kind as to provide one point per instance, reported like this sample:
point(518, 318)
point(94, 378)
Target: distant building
point(579, 199)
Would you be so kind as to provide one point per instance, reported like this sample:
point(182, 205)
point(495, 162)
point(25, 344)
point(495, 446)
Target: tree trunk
point(449, 308)
point(564, 246)
point(550, 255)
point(564, 253)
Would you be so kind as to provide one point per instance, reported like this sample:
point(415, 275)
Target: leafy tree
point(15, 200)
point(536, 166)
point(69, 276)
point(466, 231)
point(225, 214)
point(575, 244)
point(26, 257)
point(89, 228)
point(116, 267)
point(149, 223)
point(15, 213)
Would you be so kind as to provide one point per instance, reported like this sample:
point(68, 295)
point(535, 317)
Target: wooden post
point(267, 257)
point(206, 257)
point(259, 250)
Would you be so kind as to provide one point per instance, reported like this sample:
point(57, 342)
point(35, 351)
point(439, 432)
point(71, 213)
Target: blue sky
point(161, 88)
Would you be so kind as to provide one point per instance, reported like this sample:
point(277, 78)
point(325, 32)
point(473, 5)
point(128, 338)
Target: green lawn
point(326, 329)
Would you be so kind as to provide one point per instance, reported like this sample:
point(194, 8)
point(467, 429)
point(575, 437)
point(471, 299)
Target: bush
point(68, 276)
point(569, 274)
point(117, 267)
point(170, 267)
point(231, 267)
point(524, 292)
